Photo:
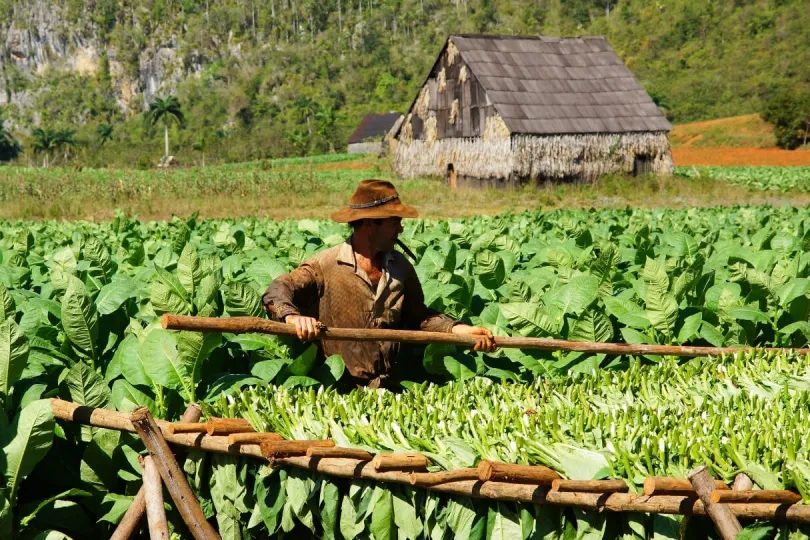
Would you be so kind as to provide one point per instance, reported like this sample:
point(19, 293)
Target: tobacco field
point(81, 302)
point(782, 179)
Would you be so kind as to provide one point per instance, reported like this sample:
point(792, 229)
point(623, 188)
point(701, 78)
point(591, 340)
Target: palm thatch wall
point(531, 158)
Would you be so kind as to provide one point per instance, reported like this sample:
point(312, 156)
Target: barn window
point(642, 165)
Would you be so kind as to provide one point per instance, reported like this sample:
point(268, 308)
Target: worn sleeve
point(416, 315)
point(295, 293)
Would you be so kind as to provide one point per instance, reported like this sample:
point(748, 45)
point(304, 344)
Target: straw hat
point(374, 199)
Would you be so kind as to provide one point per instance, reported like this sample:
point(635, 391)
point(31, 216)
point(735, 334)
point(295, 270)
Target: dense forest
point(267, 78)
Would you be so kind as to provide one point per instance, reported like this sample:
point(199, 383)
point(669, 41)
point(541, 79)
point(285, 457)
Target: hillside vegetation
point(288, 77)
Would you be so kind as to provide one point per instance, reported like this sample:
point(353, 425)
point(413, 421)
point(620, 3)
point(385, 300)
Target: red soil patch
point(740, 156)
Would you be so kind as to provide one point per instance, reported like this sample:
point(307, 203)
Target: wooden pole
point(727, 524)
point(427, 479)
point(660, 485)
point(521, 474)
point(253, 438)
point(353, 453)
point(399, 462)
point(240, 325)
point(136, 510)
point(188, 427)
point(742, 482)
point(226, 426)
point(153, 489)
point(277, 449)
point(129, 524)
point(492, 490)
point(778, 496)
point(590, 486)
point(174, 479)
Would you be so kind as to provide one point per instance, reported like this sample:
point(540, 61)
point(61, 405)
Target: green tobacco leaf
point(460, 516)
point(189, 272)
point(460, 367)
point(757, 531)
point(792, 290)
point(171, 281)
point(242, 301)
point(408, 524)
point(382, 517)
point(627, 312)
point(119, 504)
point(330, 498)
point(128, 355)
point(86, 387)
point(502, 524)
point(490, 269)
point(268, 369)
point(270, 495)
point(661, 306)
point(13, 356)
point(331, 371)
point(164, 299)
point(690, 327)
point(80, 319)
point(127, 398)
point(7, 304)
point(299, 381)
point(747, 313)
point(532, 320)
point(575, 296)
point(304, 362)
point(160, 359)
point(193, 348)
point(593, 325)
point(25, 443)
point(581, 464)
point(112, 295)
point(351, 524)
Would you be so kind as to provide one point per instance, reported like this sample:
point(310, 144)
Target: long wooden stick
point(241, 325)
point(779, 496)
point(520, 474)
point(590, 486)
point(129, 523)
point(659, 485)
point(724, 519)
point(494, 490)
point(153, 489)
point(173, 477)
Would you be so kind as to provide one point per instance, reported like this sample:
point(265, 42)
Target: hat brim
point(392, 209)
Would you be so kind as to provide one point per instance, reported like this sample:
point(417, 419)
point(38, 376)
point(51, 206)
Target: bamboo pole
point(660, 485)
point(173, 477)
point(521, 474)
point(137, 509)
point(428, 479)
point(128, 525)
point(778, 496)
point(724, 519)
point(253, 438)
point(399, 462)
point(493, 490)
point(590, 486)
point(338, 452)
point(240, 325)
point(153, 489)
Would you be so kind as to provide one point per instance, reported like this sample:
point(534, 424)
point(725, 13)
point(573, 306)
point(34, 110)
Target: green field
point(314, 187)
point(81, 302)
point(784, 179)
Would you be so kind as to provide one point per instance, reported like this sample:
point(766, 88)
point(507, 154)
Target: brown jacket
point(332, 288)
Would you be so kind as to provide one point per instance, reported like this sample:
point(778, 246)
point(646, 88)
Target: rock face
point(40, 37)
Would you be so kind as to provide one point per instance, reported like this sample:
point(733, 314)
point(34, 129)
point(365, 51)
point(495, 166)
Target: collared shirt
point(332, 288)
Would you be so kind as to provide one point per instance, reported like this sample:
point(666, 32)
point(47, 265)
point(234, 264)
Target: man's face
point(384, 233)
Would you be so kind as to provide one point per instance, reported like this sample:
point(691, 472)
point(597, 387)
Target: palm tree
point(306, 109)
point(166, 111)
point(45, 140)
point(66, 139)
point(199, 145)
point(9, 147)
point(104, 133)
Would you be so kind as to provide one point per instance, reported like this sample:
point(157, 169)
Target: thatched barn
point(371, 133)
point(498, 110)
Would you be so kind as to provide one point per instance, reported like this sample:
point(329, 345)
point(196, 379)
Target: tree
point(306, 109)
point(788, 109)
point(9, 147)
point(45, 141)
point(65, 140)
point(104, 133)
point(165, 111)
point(199, 146)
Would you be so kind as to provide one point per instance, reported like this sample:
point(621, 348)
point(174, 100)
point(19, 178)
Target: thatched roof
point(542, 85)
point(374, 125)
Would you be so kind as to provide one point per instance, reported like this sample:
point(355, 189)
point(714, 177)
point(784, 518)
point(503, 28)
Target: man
point(363, 283)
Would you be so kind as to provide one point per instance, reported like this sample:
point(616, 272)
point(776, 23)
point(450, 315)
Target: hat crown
point(370, 191)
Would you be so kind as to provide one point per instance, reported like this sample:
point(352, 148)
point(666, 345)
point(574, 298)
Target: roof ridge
point(505, 36)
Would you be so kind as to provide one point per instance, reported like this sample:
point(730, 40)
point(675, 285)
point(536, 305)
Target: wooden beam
point(724, 519)
point(153, 489)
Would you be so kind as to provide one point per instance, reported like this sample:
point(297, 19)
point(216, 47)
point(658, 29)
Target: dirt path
point(740, 156)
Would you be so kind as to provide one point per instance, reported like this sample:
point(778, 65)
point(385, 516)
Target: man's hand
point(486, 342)
point(307, 328)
